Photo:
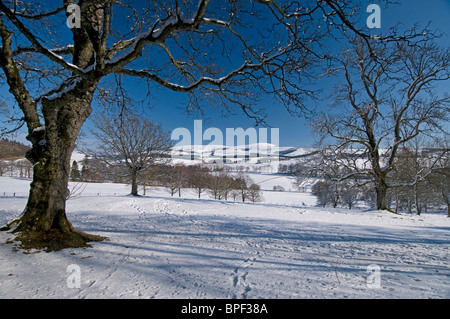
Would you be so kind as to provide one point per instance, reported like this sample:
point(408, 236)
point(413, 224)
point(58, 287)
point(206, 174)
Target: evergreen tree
point(75, 172)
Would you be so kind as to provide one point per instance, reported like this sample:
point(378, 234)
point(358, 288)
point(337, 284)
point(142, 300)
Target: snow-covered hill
point(260, 157)
point(253, 153)
point(164, 247)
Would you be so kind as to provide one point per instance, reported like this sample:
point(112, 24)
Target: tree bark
point(381, 189)
point(44, 223)
point(417, 200)
point(134, 186)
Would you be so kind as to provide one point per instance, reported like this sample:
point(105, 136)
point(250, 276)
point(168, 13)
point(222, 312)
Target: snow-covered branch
point(53, 56)
point(155, 36)
point(201, 80)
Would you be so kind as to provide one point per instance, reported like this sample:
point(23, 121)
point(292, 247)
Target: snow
point(39, 129)
point(69, 87)
point(77, 156)
point(243, 155)
point(285, 247)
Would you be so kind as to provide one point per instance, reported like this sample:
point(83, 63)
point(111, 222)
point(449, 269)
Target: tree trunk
point(134, 185)
point(446, 197)
point(381, 189)
point(44, 223)
point(417, 200)
point(396, 201)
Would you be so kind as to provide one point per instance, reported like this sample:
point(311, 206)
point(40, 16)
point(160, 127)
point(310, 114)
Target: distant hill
point(253, 154)
point(10, 150)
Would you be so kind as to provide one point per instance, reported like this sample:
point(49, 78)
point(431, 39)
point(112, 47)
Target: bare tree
point(206, 49)
point(427, 167)
point(215, 185)
point(199, 179)
point(254, 193)
point(349, 194)
point(181, 175)
point(389, 88)
point(242, 184)
point(3, 167)
point(327, 192)
point(439, 182)
point(132, 140)
point(171, 182)
point(226, 182)
point(168, 179)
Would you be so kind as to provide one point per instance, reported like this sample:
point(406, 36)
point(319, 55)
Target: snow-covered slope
point(214, 154)
point(164, 247)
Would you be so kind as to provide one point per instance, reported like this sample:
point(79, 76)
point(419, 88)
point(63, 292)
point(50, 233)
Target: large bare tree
point(390, 97)
point(131, 140)
point(225, 53)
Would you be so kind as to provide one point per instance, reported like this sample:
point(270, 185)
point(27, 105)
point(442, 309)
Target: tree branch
point(15, 82)
point(155, 36)
point(36, 44)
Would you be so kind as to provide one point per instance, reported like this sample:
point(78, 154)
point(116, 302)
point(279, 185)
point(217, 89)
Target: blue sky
point(167, 107)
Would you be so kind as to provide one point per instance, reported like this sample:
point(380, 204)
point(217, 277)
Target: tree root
point(10, 225)
point(55, 240)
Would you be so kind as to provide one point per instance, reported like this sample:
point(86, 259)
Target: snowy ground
point(163, 247)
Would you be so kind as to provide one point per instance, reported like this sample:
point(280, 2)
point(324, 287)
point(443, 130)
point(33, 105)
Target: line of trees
point(18, 168)
point(219, 183)
point(418, 180)
point(12, 162)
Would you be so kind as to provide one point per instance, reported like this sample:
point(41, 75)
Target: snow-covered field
point(284, 247)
